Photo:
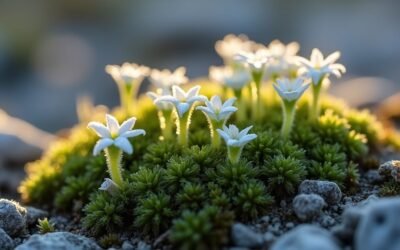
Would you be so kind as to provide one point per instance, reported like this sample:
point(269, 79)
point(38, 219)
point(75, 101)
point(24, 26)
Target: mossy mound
point(194, 190)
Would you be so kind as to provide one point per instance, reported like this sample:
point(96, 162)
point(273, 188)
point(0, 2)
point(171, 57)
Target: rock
point(269, 238)
point(328, 190)
point(33, 214)
point(6, 243)
point(373, 176)
point(143, 246)
point(379, 228)
point(12, 217)
point(243, 236)
point(308, 206)
point(308, 237)
point(127, 246)
point(59, 241)
point(390, 169)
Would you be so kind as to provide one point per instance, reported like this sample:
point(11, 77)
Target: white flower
point(282, 58)
point(154, 96)
point(165, 79)
point(217, 111)
point(231, 45)
point(255, 61)
point(318, 67)
point(183, 101)
point(290, 90)
point(235, 138)
point(109, 186)
point(128, 73)
point(235, 79)
point(114, 134)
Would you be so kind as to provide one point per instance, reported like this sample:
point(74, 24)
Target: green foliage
point(206, 229)
point(110, 240)
point(195, 192)
point(390, 188)
point(153, 213)
point(45, 226)
point(283, 174)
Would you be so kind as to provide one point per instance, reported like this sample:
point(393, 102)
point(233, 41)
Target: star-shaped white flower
point(183, 101)
point(235, 79)
point(282, 58)
point(128, 73)
point(114, 134)
point(290, 90)
point(231, 44)
point(317, 67)
point(154, 96)
point(218, 111)
point(255, 61)
point(235, 138)
point(165, 79)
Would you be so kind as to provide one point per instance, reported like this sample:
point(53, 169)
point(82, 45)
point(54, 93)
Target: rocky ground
point(319, 217)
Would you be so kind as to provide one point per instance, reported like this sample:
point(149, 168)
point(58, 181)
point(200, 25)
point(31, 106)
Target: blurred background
point(52, 52)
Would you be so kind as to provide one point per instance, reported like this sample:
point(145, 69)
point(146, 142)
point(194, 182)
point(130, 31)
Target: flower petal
point(245, 131)
point(193, 91)
point(127, 125)
point(332, 58)
point(229, 102)
point(102, 144)
point(133, 133)
point(247, 138)
point(123, 143)
point(223, 134)
point(100, 129)
point(178, 93)
point(112, 124)
point(182, 108)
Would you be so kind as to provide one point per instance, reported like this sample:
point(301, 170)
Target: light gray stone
point(127, 246)
point(308, 206)
point(379, 228)
point(6, 243)
point(59, 241)
point(12, 217)
point(308, 237)
point(390, 169)
point(33, 214)
point(328, 190)
point(143, 246)
point(244, 236)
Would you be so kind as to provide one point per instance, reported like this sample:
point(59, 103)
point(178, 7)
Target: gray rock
point(390, 169)
point(306, 237)
point(373, 176)
point(143, 246)
point(351, 217)
point(12, 217)
point(328, 190)
point(127, 246)
point(6, 243)
point(308, 206)
point(33, 214)
point(59, 241)
point(379, 228)
point(243, 236)
point(269, 238)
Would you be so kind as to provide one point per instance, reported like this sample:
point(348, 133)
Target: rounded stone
point(328, 190)
point(12, 217)
point(244, 236)
point(308, 206)
point(6, 243)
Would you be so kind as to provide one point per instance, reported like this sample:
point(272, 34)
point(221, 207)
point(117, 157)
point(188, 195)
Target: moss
point(195, 192)
point(45, 226)
point(390, 188)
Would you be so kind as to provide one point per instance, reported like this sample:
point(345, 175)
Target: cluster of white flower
point(247, 63)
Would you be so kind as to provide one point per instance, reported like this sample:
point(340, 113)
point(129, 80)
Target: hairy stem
point(256, 95)
point(289, 111)
point(234, 154)
point(315, 104)
point(114, 157)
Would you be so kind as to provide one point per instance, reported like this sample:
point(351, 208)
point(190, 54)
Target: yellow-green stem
point(242, 107)
point(234, 154)
point(166, 123)
point(256, 94)
point(114, 157)
point(315, 104)
point(215, 137)
point(183, 129)
point(127, 93)
point(289, 110)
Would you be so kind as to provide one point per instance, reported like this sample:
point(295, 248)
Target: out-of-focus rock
point(308, 237)
point(244, 236)
point(328, 190)
point(12, 217)
point(6, 243)
point(390, 169)
point(308, 206)
point(33, 214)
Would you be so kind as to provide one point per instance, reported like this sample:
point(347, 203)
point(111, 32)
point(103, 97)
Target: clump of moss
point(390, 188)
point(194, 191)
point(45, 226)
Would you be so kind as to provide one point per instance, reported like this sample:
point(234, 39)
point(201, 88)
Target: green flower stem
point(114, 156)
point(182, 127)
point(242, 107)
point(315, 104)
point(127, 94)
point(289, 110)
point(234, 154)
point(165, 117)
point(256, 95)
point(215, 138)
